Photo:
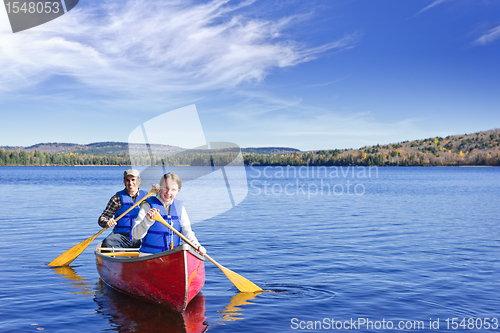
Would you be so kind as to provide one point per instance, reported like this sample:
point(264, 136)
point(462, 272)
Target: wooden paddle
point(67, 257)
point(239, 281)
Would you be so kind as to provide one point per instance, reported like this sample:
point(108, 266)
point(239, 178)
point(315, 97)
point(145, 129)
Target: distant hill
point(105, 148)
point(121, 153)
point(481, 148)
point(122, 148)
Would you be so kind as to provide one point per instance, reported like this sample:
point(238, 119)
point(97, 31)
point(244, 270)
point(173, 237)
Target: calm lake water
point(355, 249)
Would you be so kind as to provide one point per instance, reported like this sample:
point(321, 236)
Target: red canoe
point(171, 278)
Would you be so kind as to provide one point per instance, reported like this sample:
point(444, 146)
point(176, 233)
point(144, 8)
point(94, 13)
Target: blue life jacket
point(125, 224)
point(159, 237)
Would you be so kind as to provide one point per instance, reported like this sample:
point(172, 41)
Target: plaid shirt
point(114, 204)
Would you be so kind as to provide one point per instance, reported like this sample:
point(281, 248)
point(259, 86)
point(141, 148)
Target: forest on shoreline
point(475, 149)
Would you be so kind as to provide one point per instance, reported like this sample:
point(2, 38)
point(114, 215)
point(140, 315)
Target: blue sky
point(315, 74)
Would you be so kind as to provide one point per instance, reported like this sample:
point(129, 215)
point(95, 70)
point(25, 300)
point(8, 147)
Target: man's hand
point(111, 222)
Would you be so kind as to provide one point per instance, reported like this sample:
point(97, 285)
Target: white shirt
point(143, 223)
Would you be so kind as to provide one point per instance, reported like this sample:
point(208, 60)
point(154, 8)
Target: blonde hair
point(171, 176)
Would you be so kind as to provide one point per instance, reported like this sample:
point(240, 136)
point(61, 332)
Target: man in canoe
point(155, 236)
point(121, 236)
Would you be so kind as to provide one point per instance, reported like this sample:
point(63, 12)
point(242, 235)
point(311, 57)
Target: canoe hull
point(171, 278)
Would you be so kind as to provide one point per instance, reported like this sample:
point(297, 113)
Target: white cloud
point(489, 36)
point(146, 49)
point(435, 3)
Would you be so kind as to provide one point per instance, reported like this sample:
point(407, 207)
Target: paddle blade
point(240, 282)
point(67, 257)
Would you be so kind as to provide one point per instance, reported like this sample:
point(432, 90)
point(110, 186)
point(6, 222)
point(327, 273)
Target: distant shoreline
point(475, 149)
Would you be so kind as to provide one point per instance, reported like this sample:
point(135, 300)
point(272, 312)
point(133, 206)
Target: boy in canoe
point(121, 236)
point(155, 236)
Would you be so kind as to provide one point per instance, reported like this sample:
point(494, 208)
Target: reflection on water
point(232, 311)
point(129, 314)
point(79, 283)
